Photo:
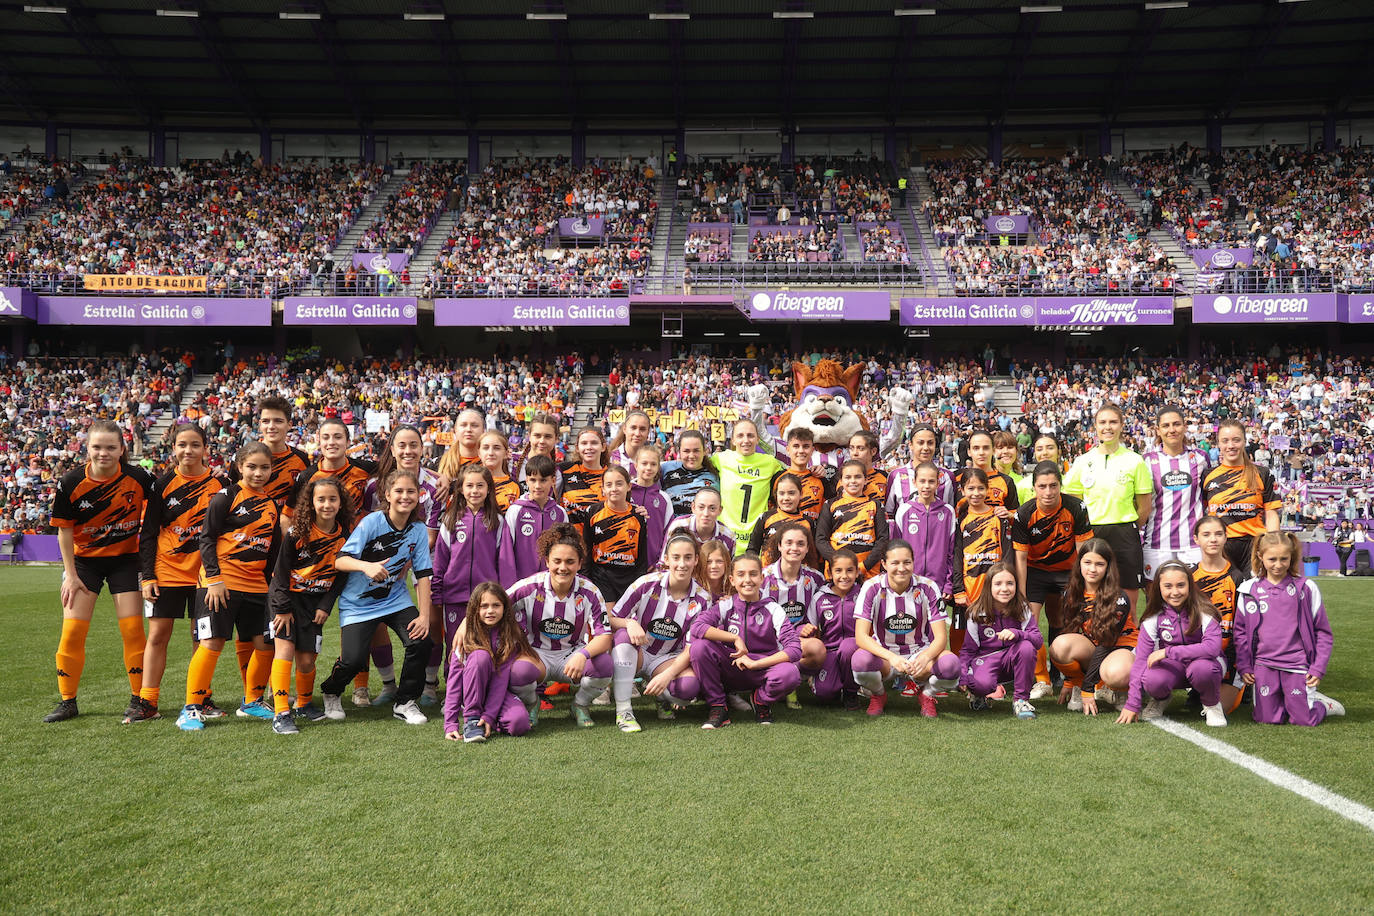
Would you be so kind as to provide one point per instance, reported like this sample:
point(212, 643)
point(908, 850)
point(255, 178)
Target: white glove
point(899, 402)
point(759, 400)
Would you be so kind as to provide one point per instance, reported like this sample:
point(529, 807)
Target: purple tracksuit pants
point(836, 673)
point(1016, 664)
point(477, 689)
point(946, 667)
point(1282, 697)
point(717, 673)
point(1201, 674)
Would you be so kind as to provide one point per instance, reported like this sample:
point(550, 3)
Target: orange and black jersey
point(858, 523)
point(507, 492)
point(771, 521)
point(581, 486)
point(307, 568)
point(1050, 539)
point(617, 548)
point(354, 475)
point(877, 484)
point(286, 467)
point(1125, 627)
point(1001, 491)
point(980, 540)
point(104, 515)
point(1240, 506)
point(815, 490)
point(1220, 589)
point(239, 540)
point(169, 544)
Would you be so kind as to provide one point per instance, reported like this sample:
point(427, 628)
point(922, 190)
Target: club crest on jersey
point(989, 633)
point(461, 535)
point(1291, 589)
point(1264, 690)
point(527, 529)
point(829, 614)
point(1166, 634)
point(758, 619)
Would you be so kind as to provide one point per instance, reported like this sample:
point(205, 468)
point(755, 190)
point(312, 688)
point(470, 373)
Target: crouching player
point(1001, 641)
point(765, 647)
point(650, 624)
point(488, 645)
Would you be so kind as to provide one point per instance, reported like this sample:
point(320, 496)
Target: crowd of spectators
point(819, 244)
point(26, 186)
point(707, 245)
point(249, 228)
point(408, 215)
point(884, 242)
point(1129, 266)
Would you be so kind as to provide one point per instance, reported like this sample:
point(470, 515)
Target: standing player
point(854, 520)
point(1241, 494)
point(467, 433)
point(746, 478)
point(542, 439)
point(96, 512)
point(704, 522)
point(533, 514)
point(980, 540)
point(1220, 582)
point(633, 435)
point(582, 477)
point(169, 548)
point(815, 486)
point(1178, 473)
point(928, 524)
point(274, 420)
point(494, 451)
point(901, 483)
point(617, 537)
point(646, 493)
point(1116, 486)
point(787, 495)
point(863, 448)
point(1000, 492)
point(681, 479)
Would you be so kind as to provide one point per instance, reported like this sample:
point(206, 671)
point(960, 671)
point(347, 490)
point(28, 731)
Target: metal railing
point(1276, 281)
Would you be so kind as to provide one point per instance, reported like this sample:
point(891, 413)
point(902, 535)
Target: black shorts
point(1239, 552)
point(1130, 554)
point(173, 602)
point(120, 572)
point(305, 634)
point(1044, 583)
point(245, 613)
point(957, 614)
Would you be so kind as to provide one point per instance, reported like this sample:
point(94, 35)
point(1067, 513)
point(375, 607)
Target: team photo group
point(792, 567)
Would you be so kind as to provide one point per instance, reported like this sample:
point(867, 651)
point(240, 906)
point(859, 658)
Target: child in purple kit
point(1282, 637)
point(487, 646)
point(832, 614)
point(765, 647)
point(1001, 639)
point(533, 514)
point(1179, 646)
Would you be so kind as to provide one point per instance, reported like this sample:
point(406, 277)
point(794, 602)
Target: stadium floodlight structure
point(914, 11)
point(423, 17)
point(57, 10)
point(681, 17)
point(180, 14)
point(546, 17)
point(299, 16)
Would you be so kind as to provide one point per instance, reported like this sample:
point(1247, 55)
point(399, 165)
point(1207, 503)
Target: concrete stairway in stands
point(669, 232)
point(853, 246)
point(343, 252)
point(586, 401)
point(1005, 395)
point(919, 238)
point(199, 382)
point(1180, 258)
point(433, 246)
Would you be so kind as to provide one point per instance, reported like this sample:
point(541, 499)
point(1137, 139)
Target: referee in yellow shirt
point(1115, 484)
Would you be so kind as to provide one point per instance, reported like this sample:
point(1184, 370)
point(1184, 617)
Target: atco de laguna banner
point(482, 312)
point(819, 305)
point(580, 226)
point(157, 312)
point(1007, 224)
point(16, 302)
point(104, 283)
point(346, 310)
point(1264, 308)
point(374, 261)
point(1064, 311)
point(1223, 258)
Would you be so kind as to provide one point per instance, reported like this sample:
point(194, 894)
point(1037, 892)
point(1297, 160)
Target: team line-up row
point(267, 555)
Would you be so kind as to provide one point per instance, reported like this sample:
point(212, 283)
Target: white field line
point(1338, 804)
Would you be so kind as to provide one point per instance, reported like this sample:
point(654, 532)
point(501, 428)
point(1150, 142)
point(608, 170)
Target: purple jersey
point(552, 623)
point(901, 621)
point(763, 625)
point(665, 619)
point(1281, 626)
point(684, 523)
point(981, 638)
point(468, 554)
point(660, 509)
point(429, 484)
point(526, 521)
point(833, 615)
point(793, 597)
point(1168, 630)
point(930, 531)
point(901, 488)
point(1179, 499)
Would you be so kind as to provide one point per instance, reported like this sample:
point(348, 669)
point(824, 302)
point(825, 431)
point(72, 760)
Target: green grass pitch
point(825, 811)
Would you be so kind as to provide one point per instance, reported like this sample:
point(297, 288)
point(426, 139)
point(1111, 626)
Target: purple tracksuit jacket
point(526, 521)
point(660, 508)
point(763, 624)
point(930, 531)
point(1282, 626)
point(981, 639)
point(467, 555)
point(833, 615)
point(1166, 630)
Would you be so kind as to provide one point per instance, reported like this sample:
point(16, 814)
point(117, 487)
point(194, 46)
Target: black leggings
point(355, 640)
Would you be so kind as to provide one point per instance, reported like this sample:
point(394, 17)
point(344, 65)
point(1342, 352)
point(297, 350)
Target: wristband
point(584, 653)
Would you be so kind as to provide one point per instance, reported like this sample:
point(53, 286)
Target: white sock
point(872, 681)
point(624, 657)
point(672, 700)
point(527, 695)
point(389, 675)
point(938, 683)
point(591, 686)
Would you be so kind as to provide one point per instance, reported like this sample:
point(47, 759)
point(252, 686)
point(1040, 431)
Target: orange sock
point(135, 639)
point(1073, 673)
point(281, 685)
point(150, 694)
point(360, 680)
point(244, 651)
point(259, 674)
point(201, 672)
point(305, 687)
point(71, 656)
point(1042, 665)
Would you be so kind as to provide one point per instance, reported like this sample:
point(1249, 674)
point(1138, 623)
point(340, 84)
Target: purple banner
point(374, 261)
point(158, 311)
point(1223, 258)
point(537, 312)
point(581, 226)
point(970, 311)
point(819, 305)
point(347, 310)
point(1264, 308)
point(1007, 224)
point(1077, 311)
point(1357, 308)
point(16, 302)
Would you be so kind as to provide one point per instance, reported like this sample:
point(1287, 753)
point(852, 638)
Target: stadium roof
point(459, 65)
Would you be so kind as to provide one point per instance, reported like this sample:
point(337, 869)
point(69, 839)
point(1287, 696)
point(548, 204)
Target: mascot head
point(825, 403)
